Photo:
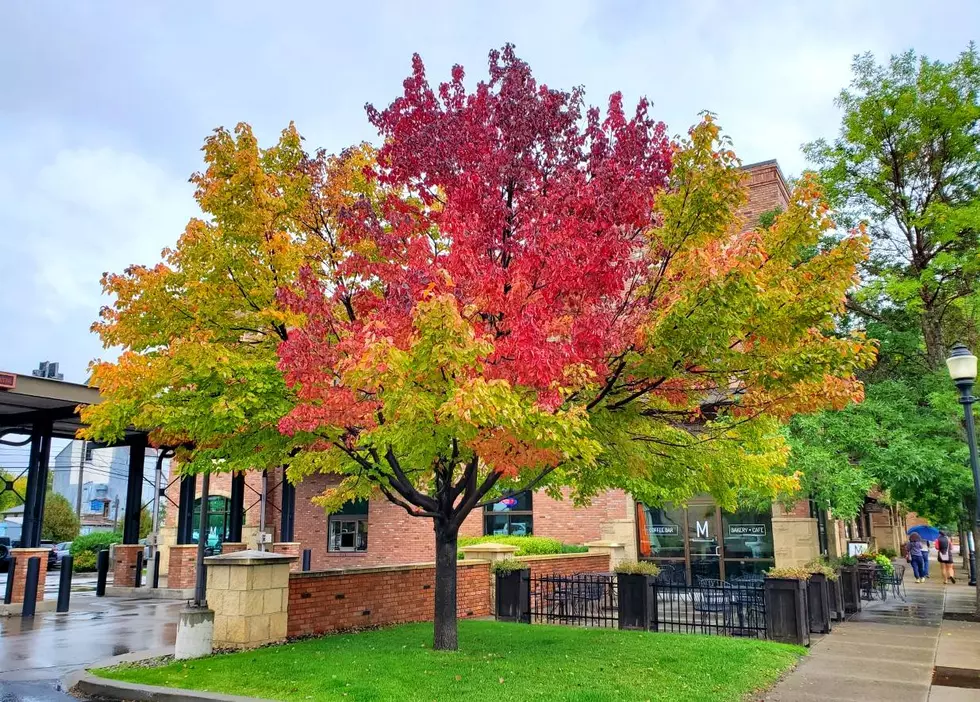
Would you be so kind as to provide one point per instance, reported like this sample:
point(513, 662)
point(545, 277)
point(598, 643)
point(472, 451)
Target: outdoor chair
point(895, 581)
point(713, 600)
point(588, 592)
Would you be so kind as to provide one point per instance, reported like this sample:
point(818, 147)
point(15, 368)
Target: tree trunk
point(964, 549)
point(932, 335)
point(445, 636)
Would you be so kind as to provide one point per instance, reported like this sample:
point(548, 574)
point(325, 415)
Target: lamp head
point(962, 365)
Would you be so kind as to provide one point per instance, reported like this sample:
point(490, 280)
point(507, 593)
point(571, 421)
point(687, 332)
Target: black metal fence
point(710, 607)
point(592, 599)
point(585, 599)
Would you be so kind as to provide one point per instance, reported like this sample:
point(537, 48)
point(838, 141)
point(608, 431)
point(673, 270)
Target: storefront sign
point(742, 530)
point(664, 530)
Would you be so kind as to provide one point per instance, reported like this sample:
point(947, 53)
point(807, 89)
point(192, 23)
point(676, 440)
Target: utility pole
point(81, 480)
point(115, 513)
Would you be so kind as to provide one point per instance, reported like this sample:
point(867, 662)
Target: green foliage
point(768, 218)
point(821, 566)
point(526, 545)
point(10, 499)
point(60, 523)
point(94, 542)
point(847, 561)
point(888, 553)
point(574, 548)
point(637, 568)
point(507, 565)
point(791, 573)
point(496, 661)
point(84, 562)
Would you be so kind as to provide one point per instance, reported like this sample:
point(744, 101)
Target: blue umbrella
point(929, 533)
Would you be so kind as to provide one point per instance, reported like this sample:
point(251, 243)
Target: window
point(219, 509)
point(89, 448)
point(348, 527)
point(511, 516)
point(661, 531)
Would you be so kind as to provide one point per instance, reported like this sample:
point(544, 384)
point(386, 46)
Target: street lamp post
point(963, 370)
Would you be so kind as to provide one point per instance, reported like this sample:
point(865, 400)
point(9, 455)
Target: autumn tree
point(199, 330)
point(551, 297)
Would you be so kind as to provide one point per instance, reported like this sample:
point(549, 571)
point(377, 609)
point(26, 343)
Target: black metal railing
point(710, 607)
point(585, 599)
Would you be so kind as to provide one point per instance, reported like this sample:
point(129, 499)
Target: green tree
point(60, 523)
point(907, 162)
point(12, 498)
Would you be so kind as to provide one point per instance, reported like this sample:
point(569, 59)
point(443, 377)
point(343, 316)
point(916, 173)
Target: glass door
point(705, 547)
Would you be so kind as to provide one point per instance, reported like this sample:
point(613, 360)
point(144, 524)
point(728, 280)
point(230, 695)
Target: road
point(36, 653)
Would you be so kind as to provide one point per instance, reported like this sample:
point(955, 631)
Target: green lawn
point(496, 661)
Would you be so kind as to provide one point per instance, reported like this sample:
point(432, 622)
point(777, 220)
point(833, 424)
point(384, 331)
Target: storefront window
point(511, 516)
point(748, 534)
point(348, 527)
point(661, 532)
point(219, 509)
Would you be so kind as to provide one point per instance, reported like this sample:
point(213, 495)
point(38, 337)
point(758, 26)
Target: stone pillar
point(168, 537)
point(20, 572)
point(292, 549)
point(182, 571)
point(491, 553)
point(794, 536)
point(232, 547)
point(249, 594)
point(124, 570)
point(616, 551)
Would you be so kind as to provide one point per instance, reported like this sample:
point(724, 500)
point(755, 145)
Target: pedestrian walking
point(925, 559)
point(944, 554)
point(914, 557)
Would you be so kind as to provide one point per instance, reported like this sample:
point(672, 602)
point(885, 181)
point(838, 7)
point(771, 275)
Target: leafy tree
point(907, 161)
point(60, 523)
point(560, 299)
point(199, 330)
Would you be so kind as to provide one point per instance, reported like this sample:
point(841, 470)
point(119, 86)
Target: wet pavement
point(36, 653)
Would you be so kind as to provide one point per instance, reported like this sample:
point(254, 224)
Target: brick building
point(378, 533)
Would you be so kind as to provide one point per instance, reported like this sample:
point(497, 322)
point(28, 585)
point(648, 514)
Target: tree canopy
point(60, 523)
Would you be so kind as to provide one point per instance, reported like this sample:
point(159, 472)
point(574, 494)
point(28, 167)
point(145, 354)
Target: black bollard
point(138, 577)
point(307, 556)
point(30, 586)
point(8, 594)
point(156, 570)
point(973, 569)
point(102, 569)
point(64, 583)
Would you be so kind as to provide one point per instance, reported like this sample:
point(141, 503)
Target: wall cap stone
point(248, 558)
point(382, 569)
point(488, 548)
point(558, 556)
point(601, 544)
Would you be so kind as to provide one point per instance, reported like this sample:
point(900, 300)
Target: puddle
point(956, 677)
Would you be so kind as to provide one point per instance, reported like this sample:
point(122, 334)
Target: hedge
point(526, 545)
point(84, 548)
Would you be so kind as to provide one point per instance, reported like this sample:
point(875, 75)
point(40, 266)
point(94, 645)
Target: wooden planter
point(787, 614)
point(818, 599)
point(636, 603)
point(837, 598)
point(513, 596)
point(851, 589)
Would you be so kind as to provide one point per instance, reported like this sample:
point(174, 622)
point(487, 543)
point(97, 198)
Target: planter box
point(851, 589)
point(513, 596)
point(818, 600)
point(636, 601)
point(837, 598)
point(787, 615)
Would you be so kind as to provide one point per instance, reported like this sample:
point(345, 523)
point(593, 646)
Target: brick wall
point(562, 520)
point(336, 600)
point(23, 555)
point(124, 571)
point(568, 564)
point(767, 190)
point(182, 570)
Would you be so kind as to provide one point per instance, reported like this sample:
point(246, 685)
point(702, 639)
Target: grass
point(496, 661)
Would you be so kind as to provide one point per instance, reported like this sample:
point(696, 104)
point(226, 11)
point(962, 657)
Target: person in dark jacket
point(915, 557)
point(944, 554)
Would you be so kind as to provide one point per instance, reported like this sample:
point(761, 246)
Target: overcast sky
point(104, 105)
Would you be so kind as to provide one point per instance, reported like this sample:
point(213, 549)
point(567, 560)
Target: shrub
point(93, 543)
point(637, 568)
point(574, 548)
point(819, 566)
point(526, 545)
point(889, 553)
point(507, 565)
point(848, 561)
point(885, 563)
point(789, 573)
point(83, 562)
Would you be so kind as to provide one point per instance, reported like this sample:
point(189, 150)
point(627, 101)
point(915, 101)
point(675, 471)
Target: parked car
point(5, 545)
point(52, 562)
point(60, 551)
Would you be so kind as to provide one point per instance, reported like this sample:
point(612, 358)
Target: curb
point(85, 684)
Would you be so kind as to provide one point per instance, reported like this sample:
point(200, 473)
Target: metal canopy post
point(288, 510)
point(37, 482)
point(134, 490)
point(185, 509)
point(237, 508)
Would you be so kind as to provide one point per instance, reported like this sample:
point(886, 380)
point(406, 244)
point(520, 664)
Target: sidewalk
point(958, 653)
point(886, 652)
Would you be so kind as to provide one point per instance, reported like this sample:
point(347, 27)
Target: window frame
point(359, 521)
point(527, 515)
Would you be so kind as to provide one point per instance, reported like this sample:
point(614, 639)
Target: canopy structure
point(42, 409)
